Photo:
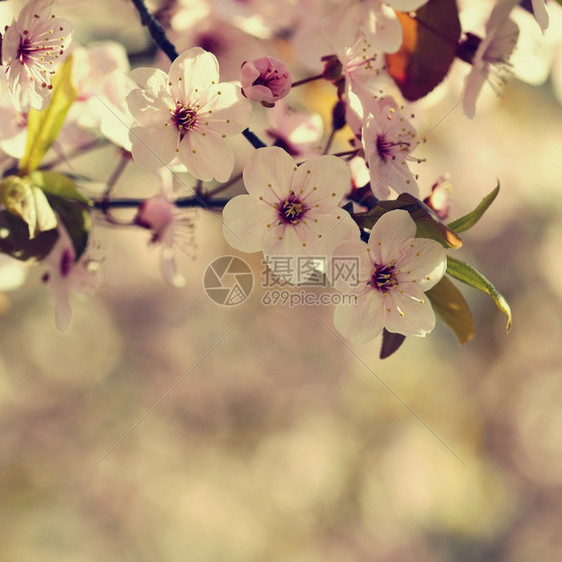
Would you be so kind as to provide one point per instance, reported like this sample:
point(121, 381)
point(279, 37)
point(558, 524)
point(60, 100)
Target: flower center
point(292, 210)
point(386, 148)
point(25, 50)
point(383, 278)
point(184, 118)
point(273, 80)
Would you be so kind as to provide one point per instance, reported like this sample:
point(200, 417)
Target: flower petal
point(350, 266)
point(206, 156)
point(326, 178)
point(363, 321)
point(153, 147)
point(424, 263)
point(192, 70)
point(269, 174)
point(245, 223)
point(409, 313)
point(390, 233)
point(226, 112)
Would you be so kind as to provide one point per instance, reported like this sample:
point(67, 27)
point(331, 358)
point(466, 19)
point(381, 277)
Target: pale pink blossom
point(388, 138)
point(99, 73)
point(32, 47)
point(439, 200)
point(394, 270)
point(13, 132)
point(290, 210)
point(345, 20)
point(363, 71)
point(64, 273)
point(491, 55)
point(299, 133)
point(171, 228)
point(266, 80)
point(187, 113)
point(260, 18)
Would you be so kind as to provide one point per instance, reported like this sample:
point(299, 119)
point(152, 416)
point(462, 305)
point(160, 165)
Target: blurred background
point(163, 427)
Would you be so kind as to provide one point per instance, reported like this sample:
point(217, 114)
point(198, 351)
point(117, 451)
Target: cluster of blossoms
point(232, 67)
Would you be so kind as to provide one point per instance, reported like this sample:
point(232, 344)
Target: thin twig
point(106, 203)
point(330, 140)
point(307, 80)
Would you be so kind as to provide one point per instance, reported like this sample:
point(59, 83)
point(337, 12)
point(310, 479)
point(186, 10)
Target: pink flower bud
point(439, 199)
point(156, 214)
point(266, 80)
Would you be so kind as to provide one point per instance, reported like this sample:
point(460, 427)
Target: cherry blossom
point(32, 46)
point(99, 74)
point(394, 270)
point(13, 133)
point(345, 20)
point(299, 133)
point(65, 273)
point(490, 54)
point(364, 77)
point(439, 200)
point(388, 139)
point(187, 113)
point(290, 210)
point(266, 80)
point(169, 225)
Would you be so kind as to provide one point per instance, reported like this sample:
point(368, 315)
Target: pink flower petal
point(192, 70)
point(206, 156)
point(245, 221)
point(326, 178)
point(153, 147)
point(408, 313)
point(390, 233)
point(269, 174)
point(363, 321)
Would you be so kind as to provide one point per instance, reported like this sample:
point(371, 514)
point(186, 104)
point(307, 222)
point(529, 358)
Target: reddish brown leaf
point(429, 46)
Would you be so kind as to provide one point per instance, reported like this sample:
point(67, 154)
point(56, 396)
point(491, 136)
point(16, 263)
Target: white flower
point(395, 269)
point(13, 132)
point(187, 114)
point(65, 273)
point(299, 133)
point(345, 19)
point(170, 227)
point(388, 139)
point(31, 48)
point(99, 73)
point(492, 53)
point(290, 211)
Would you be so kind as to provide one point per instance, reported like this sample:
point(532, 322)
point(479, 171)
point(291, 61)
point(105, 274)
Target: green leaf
point(28, 202)
point(427, 223)
point(75, 216)
point(72, 208)
point(429, 47)
point(450, 306)
point(44, 126)
point(390, 343)
point(57, 184)
point(469, 220)
point(471, 276)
